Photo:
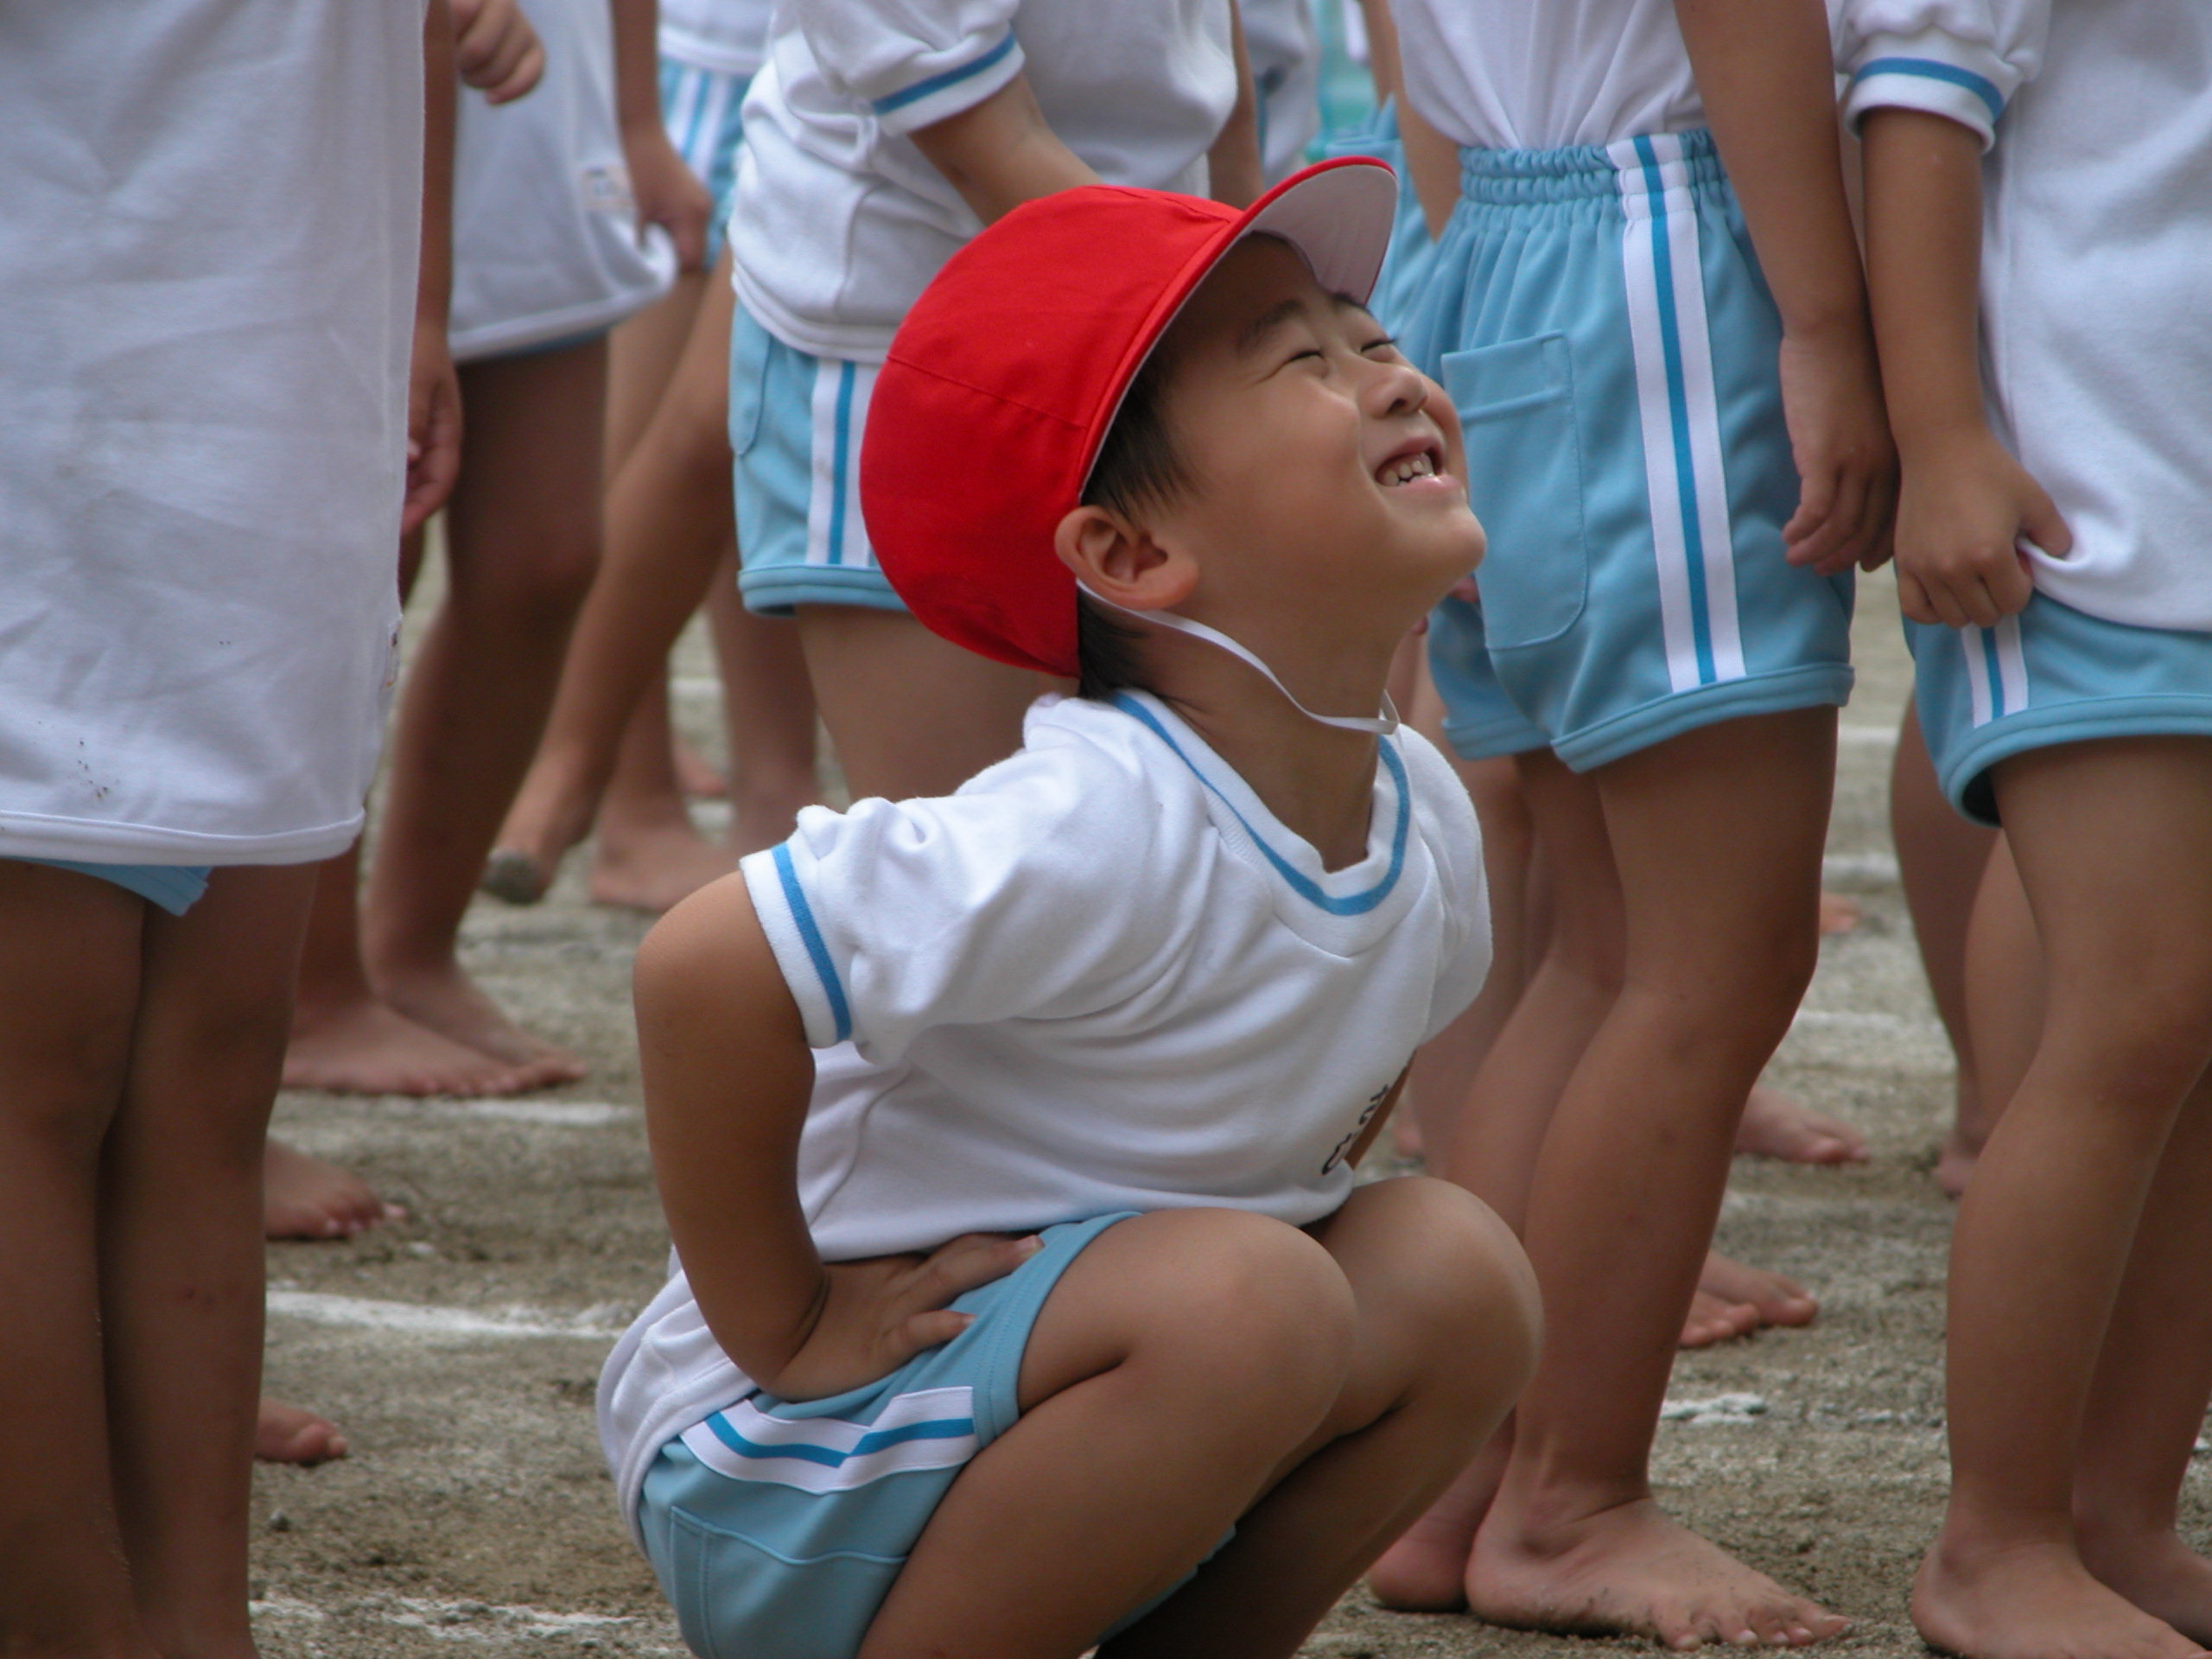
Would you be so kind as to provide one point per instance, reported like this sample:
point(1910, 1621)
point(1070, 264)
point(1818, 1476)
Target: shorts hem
point(1823, 686)
point(1966, 773)
point(1491, 740)
point(778, 590)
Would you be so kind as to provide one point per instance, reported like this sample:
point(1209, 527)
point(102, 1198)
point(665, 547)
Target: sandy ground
point(460, 1348)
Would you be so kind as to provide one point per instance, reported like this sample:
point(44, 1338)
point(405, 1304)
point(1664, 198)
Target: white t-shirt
point(721, 34)
point(1540, 74)
point(1285, 48)
point(2097, 239)
point(208, 272)
point(1100, 977)
point(545, 242)
point(840, 222)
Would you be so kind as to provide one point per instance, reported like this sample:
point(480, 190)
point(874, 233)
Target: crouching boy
point(1039, 1309)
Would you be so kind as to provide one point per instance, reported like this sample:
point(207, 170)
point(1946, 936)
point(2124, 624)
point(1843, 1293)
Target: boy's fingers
point(2040, 523)
point(923, 1330)
point(966, 1262)
point(1816, 498)
point(1912, 598)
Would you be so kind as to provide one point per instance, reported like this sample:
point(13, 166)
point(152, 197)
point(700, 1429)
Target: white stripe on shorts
point(930, 1428)
point(834, 534)
point(1679, 409)
point(1997, 670)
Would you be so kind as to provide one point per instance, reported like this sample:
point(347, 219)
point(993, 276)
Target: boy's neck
point(1319, 781)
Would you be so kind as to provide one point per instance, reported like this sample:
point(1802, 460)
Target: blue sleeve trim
point(1930, 69)
point(938, 82)
point(816, 951)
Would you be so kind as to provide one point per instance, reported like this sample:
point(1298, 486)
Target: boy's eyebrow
point(1253, 334)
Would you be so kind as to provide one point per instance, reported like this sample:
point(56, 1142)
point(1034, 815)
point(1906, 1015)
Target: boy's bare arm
point(1432, 159)
point(433, 390)
point(1000, 153)
point(1767, 75)
point(668, 193)
point(1236, 173)
point(728, 1077)
point(1966, 501)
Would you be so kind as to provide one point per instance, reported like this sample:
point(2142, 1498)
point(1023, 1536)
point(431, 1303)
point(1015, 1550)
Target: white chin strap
point(1382, 726)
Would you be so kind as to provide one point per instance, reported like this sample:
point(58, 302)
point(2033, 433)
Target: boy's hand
point(1846, 463)
point(1966, 507)
point(668, 193)
point(433, 425)
point(495, 49)
point(870, 1318)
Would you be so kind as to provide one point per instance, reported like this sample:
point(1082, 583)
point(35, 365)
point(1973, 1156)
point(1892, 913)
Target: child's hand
point(1966, 507)
point(872, 1317)
point(433, 426)
point(1839, 435)
point(495, 49)
point(668, 193)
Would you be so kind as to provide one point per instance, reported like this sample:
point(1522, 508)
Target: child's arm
point(1766, 72)
point(495, 48)
point(668, 193)
point(1000, 153)
point(1965, 502)
point(1432, 159)
point(1234, 172)
point(728, 1077)
point(433, 389)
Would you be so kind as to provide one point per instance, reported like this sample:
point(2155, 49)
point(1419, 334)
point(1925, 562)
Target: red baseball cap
point(1000, 386)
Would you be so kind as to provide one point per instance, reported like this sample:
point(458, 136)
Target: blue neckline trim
point(1357, 904)
point(1934, 69)
point(817, 950)
point(938, 82)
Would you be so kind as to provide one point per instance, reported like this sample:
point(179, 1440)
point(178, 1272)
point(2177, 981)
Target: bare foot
point(514, 877)
point(1714, 1319)
point(2158, 1573)
point(1776, 1126)
point(2033, 1601)
point(1426, 1571)
point(306, 1197)
point(653, 868)
point(1837, 913)
point(1629, 1570)
point(1776, 1299)
point(541, 827)
point(288, 1434)
point(695, 775)
point(450, 1003)
point(1954, 1165)
point(365, 1048)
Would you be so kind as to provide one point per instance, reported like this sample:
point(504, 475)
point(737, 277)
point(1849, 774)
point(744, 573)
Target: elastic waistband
point(1583, 172)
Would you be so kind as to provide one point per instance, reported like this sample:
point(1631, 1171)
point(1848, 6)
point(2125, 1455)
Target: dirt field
point(459, 1349)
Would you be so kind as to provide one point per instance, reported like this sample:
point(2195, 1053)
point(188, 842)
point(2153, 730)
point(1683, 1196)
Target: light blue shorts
point(700, 108)
point(776, 1530)
point(1480, 722)
point(1405, 268)
point(794, 425)
point(2050, 675)
point(174, 887)
point(1604, 330)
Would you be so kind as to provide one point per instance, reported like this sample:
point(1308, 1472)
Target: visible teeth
point(1412, 466)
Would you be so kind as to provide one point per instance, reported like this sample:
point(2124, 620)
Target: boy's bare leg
point(69, 974)
point(669, 519)
point(910, 714)
point(1716, 835)
point(1349, 1361)
point(2005, 1008)
point(523, 534)
point(648, 854)
point(180, 1250)
point(2146, 1406)
point(641, 357)
point(768, 710)
point(2109, 837)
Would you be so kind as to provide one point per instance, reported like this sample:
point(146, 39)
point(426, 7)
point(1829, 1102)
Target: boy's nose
point(1398, 388)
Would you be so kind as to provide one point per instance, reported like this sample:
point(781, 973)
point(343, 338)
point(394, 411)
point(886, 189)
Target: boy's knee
point(1465, 1287)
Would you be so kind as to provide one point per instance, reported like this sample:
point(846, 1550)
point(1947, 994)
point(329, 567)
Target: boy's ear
point(1120, 561)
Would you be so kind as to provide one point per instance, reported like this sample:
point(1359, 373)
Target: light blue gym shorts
point(1602, 327)
point(173, 888)
point(794, 425)
point(777, 1529)
point(1480, 722)
point(700, 108)
point(2050, 675)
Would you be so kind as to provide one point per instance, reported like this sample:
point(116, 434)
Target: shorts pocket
point(1524, 479)
point(738, 1598)
point(750, 348)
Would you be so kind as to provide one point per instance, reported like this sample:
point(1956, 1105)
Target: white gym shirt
point(1541, 74)
point(840, 222)
point(2097, 237)
point(724, 35)
point(1102, 976)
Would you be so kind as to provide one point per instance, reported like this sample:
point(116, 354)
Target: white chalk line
point(420, 1319)
point(1720, 1409)
point(1877, 868)
point(455, 1621)
point(559, 1113)
point(1851, 735)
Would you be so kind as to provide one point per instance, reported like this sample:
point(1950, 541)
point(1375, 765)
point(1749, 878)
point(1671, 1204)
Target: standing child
point(204, 394)
point(1105, 1032)
point(1680, 450)
point(880, 135)
point(2053, 562)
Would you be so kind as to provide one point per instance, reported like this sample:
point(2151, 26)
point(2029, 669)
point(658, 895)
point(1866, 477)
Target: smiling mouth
point(1403, 470)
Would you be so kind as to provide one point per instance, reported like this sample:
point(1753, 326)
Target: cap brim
point(1338, 215)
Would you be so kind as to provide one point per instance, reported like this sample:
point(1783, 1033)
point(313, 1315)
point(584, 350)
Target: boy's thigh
point(69, 975)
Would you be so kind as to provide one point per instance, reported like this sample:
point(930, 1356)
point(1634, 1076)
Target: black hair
point(1137, 468)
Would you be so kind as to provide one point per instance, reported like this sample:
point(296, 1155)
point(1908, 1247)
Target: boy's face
point(1319, 456)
